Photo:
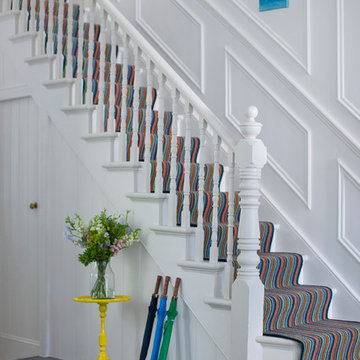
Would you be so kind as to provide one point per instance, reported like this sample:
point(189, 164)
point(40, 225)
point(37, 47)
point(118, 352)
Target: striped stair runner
point(293, 311)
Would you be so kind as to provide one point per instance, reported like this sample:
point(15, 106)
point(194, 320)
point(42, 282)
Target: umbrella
point(150, 320)
point(161, 313)
point(171, 315)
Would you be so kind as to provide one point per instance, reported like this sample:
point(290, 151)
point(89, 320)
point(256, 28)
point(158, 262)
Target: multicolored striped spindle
point(111, 119)
point(59, 35)
point(173, 166)
point(69, 40)
point(90, 59)
point(160, 137)
point(229, 272)
point(80, 57)
point(185, 218)
point(199, 245)
point(148, 118)
point(214, 252)
point(41, 33)
point(134, 148)
point(125, 41)
point(32, 24)
point(101, 81)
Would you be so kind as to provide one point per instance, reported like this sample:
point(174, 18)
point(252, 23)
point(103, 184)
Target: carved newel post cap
point(251, 152)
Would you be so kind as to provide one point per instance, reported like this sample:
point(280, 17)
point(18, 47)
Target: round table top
point(89, 299)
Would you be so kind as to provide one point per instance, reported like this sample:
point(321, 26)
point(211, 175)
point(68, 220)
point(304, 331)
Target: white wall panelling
point(295, 41)
point(188, 51)
point(239, 90)
point(349, 198)
point(348, 55)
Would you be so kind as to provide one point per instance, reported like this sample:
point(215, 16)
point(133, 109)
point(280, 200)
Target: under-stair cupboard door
point(19, 229)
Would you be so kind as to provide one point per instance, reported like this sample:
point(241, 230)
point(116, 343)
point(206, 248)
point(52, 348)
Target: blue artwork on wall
point(266, 5)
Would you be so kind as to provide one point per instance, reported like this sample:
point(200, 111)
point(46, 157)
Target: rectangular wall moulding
point(266, 5)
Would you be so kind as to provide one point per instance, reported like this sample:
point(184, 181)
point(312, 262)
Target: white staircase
point(206, 286)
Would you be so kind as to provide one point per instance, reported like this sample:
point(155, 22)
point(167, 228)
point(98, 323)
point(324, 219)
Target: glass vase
point(102, 281)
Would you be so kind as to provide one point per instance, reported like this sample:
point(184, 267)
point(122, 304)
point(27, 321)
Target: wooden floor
point(39, 358)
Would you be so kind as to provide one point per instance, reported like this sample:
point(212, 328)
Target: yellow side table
point(102, 309)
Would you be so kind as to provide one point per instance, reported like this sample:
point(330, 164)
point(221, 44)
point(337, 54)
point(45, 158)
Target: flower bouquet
point(101, 239)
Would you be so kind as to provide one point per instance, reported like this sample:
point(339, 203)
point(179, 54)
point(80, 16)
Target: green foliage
point(102, 238)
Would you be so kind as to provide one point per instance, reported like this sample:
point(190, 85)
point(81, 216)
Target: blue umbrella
point(150, 320)
point(161, 314)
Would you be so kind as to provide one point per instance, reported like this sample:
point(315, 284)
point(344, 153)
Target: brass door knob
point(33, 205)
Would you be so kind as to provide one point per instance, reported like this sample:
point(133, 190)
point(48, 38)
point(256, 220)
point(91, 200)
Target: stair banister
point(111, 85)
point(173, 166)
point(228, 275)
point(248, 290)
point(229, 136)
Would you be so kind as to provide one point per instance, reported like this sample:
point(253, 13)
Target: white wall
point(44, 319)
point(300, 67)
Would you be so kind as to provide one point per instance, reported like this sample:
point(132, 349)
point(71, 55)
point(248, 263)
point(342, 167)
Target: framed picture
point(266, 5)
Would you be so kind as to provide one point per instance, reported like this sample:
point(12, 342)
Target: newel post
point(248, 290)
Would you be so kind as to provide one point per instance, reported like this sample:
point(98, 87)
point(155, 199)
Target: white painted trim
point(202, 266)
point(341, 62)
point(310, 244)
point(14, 93)
point(172, 230)
point(19, 339)
point(345, 172)
point(199, 83)
point(303, 194)
point(218, 303)
point(276, 38)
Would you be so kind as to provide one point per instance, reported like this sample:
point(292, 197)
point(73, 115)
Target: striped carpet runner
point(293, 311)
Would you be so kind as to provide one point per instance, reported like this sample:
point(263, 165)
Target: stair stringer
point(94, 153)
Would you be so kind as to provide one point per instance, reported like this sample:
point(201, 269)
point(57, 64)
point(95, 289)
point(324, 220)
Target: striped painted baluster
point(80, 57)
point(50, 28)
point(148, 118)
point(69, 41)
point(134, 148)
point(124, 97)
point(15, 4)
point(161, 114)
point(173, 167)
point(111, 120)
point(89, 86)
point(41, 34)
point(32, 25)
point(185, 218)
point(199, 246)
point(229, 274)
point(214, 253)
point(22, 26)
point(101, 81)
point(59, 59)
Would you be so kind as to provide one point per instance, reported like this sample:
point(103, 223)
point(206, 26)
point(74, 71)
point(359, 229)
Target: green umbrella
point(171, 315)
